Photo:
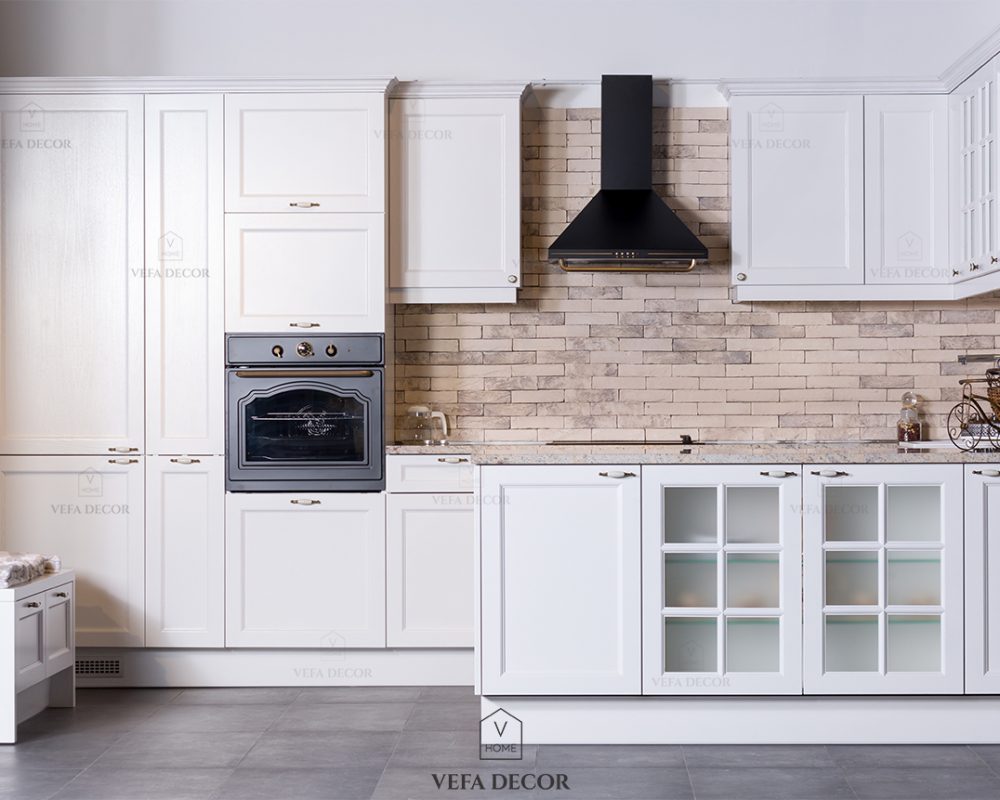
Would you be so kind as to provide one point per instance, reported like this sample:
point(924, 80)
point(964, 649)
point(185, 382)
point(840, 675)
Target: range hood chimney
point(626, 227)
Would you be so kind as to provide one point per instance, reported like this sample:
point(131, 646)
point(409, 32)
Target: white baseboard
point(177, 668)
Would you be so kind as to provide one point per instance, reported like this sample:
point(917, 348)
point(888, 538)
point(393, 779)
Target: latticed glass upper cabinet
point(883, 605)
point(721, 580)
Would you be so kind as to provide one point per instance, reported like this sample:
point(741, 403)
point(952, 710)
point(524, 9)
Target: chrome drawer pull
point(303, 324)
point(123, 460)
point(987, 473)
point(61, 594)
point(32, 604)
point(304, 204)
point(616, 474)
point(779, 473)
point(306, 502)
point(453, 460)
point(123, 449)
point(830, 473)
point(185, 460)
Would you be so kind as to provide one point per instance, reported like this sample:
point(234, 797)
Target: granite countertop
point(719, 453)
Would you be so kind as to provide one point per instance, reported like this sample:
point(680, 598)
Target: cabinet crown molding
point(161, 85)
point(415, 89)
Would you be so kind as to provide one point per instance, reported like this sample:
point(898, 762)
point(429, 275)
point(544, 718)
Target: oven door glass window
point(305, 425)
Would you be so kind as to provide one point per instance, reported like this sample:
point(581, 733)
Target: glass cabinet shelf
point(851, 578)
point(690, 580)
point(752, 580)
point(913, 578)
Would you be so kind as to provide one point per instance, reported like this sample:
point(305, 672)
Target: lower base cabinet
point(982, 579)
point(305, 570)
point(560, 568)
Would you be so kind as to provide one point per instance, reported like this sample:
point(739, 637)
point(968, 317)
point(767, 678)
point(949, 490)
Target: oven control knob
point(278, 351)
point(331, 350)
point(304, 349)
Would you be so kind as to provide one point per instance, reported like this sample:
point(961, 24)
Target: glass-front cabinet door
point(721, 580)
point(883, 605)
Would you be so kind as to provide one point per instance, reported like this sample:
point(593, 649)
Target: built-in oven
point(304, 413)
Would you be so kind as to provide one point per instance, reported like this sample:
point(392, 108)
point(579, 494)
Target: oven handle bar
point(304, 373)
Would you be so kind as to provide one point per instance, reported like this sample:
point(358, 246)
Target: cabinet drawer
point(448, 472)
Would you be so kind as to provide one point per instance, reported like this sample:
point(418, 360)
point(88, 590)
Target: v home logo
point(501, 737)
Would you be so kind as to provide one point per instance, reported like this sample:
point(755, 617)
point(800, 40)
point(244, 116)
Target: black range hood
point(626, 227)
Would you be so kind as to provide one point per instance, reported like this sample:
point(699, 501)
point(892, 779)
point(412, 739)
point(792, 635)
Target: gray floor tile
point(445, 694)
point(209, 718)
point(358, 694)
point(105, 717)
point(56, 749)
point(757, 756)
point(458, 716)
point(935, 783)
point(321, 749)
point(418, 784)
point(639, 783)
point(98, 697)
point(989, 753)
point(552, 756)
point(33, 784)
point(915, 755)
point(301, 784)
point(230, 696)
point(178, 750)
point(769, 784)
point(112, 783)
point(345, 717)
point(439, 751)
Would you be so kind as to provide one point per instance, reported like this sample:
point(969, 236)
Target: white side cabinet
point(797, 189)
point(883, 601)
point(185, 551)
point(89, 511)
point(184, 275)
point(722, 580)
point(314, 271)
point(312, 152)
point(560, 580)
point(71, 255)
point(305, 570)
point(455, 193)
point(982, 579)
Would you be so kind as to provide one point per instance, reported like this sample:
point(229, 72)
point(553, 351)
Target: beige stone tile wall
point(584, 356)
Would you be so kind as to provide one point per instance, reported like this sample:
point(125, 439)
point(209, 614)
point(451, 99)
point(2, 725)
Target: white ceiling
point(503, 39)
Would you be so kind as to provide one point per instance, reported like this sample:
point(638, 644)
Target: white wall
point(502, 39)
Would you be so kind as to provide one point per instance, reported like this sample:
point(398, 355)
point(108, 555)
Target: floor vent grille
point(103, 667)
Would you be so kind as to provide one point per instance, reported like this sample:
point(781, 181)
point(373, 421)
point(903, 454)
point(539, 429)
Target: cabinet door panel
point(326, 149)
point(59, 629)
point(325, 271)
point(71, 255)
point(29, 642)
point(305, 575)
point(185, 552)
point(184, 263)
point(560, 580)
point(982, 590)
point(429, 569)
point(798, 189)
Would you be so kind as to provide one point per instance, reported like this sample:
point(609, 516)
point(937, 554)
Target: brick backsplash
point(591, 355)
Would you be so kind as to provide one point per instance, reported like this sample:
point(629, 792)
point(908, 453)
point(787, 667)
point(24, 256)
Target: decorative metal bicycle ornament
point(977, 417)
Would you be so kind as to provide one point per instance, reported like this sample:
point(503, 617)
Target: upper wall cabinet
point(71, 256)
point(322, 151)
point(455, 193)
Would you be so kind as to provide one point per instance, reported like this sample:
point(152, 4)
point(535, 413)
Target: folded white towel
point(19, 568)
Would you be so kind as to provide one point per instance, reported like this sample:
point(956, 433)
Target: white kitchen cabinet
point(304, 271)
point(88, 511)
point(184, 268)
point(455, 193)
point(60, 627)
point(975, 227)
point(560, 580)
point(982, 579)
point(305, 570)
point(429, 570)
point(797, 189)
point(906, 189)
point(883, 601)
point(721, 580)
point(316, 151)
point(185, 551)
point(417, 473)
point(29, 641)
point(71, 256)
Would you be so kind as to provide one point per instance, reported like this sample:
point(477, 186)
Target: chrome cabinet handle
point(123, 449)
point(303, 324)
point(123, 460)
point(32, 604)
point(988, 473)
point(830, 473)
point(61, 594)
point(453, 460)
point(306, 502)
point(616, 474)
point(778, 473)
point(304, 204)
point(185, 460)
